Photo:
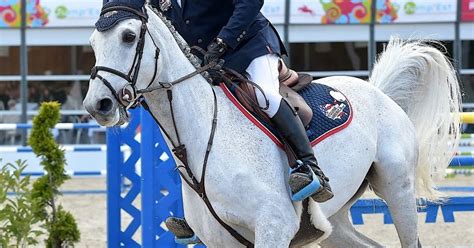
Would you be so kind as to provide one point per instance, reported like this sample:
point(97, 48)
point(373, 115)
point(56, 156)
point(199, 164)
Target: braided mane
point(183, 45)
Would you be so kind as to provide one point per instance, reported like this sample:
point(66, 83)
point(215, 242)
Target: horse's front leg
point(276, 225)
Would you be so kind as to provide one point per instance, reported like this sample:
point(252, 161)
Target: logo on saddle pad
point(335, 110)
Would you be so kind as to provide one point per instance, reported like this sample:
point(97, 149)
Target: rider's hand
point(216, 76)
point(216, 73)
point(215, 50)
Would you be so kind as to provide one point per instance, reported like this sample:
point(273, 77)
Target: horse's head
point(126, 60)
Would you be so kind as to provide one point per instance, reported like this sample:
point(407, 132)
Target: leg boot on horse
point(306, 178)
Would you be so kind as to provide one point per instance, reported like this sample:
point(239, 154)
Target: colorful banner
point(50, 13)
point(411, 11)
point(10, 13)
point(319, 11)
point(330, 12)
point(467, 10)
point(83, 13)
point(359, 11)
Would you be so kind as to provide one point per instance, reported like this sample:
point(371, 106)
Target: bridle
point(129, 97)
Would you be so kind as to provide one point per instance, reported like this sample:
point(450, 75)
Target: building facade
point(326, 38)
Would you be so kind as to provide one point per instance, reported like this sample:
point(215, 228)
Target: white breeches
point(264, 72)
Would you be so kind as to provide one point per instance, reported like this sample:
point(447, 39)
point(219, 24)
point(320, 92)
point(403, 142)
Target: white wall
point(76, 161)
point(47, 36)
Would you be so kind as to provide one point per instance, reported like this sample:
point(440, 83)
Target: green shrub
point(60, 224)
point(28, 209)
point(17, 220)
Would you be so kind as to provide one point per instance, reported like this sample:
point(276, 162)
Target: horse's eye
point(129, 37)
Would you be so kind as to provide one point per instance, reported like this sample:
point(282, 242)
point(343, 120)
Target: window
point(9, 60)
point(48, 60)
point(468, 54)
point(334, 56)
point(359, 77)
point(69, 93)
point(44, 61)
point(467, 82)
point(445, 46)
point(60, 60)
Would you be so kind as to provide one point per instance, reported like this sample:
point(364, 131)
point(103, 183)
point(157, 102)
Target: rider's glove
point(216, 73)
point(215, 50)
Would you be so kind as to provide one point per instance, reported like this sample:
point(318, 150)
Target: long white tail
point(423, 82)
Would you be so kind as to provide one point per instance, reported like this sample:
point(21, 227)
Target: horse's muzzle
point(103, 110)
point(102, 107)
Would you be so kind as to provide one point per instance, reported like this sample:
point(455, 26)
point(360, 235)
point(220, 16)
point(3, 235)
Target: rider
point(236, 31)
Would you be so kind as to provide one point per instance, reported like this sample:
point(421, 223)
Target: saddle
point(290, 83)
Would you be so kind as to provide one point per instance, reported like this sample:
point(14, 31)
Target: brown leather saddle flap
point(298, 103)
point(288, 77)
point(290, 82)
point(247, 97)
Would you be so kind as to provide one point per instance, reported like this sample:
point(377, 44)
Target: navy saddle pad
point(332, 112)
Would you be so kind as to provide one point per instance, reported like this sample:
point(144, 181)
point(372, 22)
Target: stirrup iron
point(187, 241)
point(309, 189)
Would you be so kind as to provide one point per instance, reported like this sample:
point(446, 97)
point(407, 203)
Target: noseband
point(128, 96)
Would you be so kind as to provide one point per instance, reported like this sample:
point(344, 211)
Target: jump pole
point(467, 118)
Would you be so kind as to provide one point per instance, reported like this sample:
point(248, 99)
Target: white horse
point(405, 127)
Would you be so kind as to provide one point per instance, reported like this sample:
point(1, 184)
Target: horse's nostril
point(105, 105)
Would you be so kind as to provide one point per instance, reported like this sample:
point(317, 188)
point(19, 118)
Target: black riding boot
point(183, 233)
point(292, 130)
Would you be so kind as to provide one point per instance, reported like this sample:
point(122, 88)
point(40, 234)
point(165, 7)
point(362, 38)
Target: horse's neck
point(192, 99)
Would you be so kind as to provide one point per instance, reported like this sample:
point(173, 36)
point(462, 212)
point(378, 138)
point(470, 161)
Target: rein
point(130, 97)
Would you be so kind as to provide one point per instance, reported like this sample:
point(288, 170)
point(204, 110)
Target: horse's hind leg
point(343, 233)
point(392, 178)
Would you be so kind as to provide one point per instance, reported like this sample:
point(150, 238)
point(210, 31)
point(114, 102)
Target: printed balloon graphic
point(356, 11)
point(10, 13)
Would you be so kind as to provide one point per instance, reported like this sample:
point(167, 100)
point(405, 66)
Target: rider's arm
point(243, 16)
